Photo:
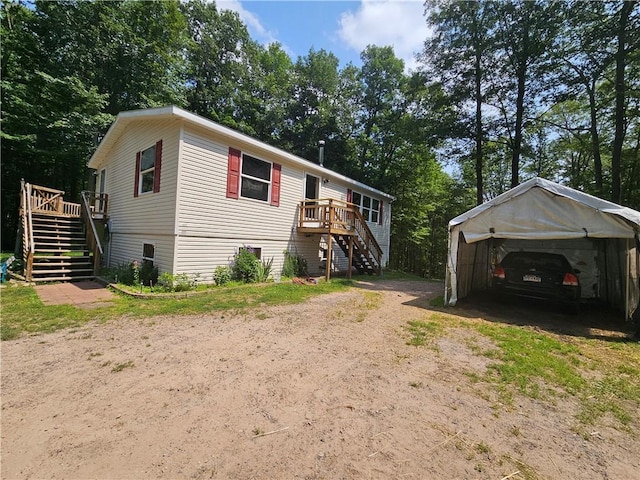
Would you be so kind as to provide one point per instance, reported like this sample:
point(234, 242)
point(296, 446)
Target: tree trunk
point(595, 138)
point(517, 137)
point(616, 160)
point(479, 162)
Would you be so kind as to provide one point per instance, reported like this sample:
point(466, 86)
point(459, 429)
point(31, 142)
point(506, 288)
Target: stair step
point(61, 270)
point(63, 258)
point(60, 250)
point(47, 234)
point(66, 242)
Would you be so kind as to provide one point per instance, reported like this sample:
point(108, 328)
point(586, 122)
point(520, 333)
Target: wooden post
point(350, 256)
point(328, 266)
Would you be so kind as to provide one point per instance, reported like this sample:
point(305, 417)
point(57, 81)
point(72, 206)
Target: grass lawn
point(23, 312)
point(603, 377)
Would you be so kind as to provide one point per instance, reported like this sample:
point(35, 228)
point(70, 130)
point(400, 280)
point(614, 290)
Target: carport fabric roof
point(538, 210)
point(541, 209)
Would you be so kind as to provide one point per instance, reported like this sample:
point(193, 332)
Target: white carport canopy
point(537, 211)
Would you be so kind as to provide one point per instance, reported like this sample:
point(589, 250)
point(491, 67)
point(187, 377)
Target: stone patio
point(87, 293)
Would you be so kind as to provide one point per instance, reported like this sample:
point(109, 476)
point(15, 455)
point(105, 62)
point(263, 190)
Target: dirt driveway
point(308, 391)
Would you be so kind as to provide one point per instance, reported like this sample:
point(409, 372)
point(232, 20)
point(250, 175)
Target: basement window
point(256, 251)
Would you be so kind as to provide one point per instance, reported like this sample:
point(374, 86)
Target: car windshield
point(538, 261)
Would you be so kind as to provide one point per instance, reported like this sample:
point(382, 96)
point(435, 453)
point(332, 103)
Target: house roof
point(172, 112)
point(541, 209)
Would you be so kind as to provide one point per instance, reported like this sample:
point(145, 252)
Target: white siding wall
point(128, 247)
point(150, 216)
point(211, 227)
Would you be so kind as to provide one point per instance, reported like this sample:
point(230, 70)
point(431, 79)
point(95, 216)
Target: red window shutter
point(157, 165)
point(380, 214)
point(137, 179)
point(349, 195)
point(233, 173)
point(276, 173)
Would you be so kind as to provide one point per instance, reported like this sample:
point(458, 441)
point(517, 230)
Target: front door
point(311, 188)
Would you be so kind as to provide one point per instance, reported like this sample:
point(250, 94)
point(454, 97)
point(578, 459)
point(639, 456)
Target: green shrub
point(245, 266)
point(294, 265)
point(183, 283)
point(222, 275)
point(166, 282)
point(148, 273)
point(264, 270)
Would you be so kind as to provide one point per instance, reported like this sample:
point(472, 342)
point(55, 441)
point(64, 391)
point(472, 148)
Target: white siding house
point(187, 193)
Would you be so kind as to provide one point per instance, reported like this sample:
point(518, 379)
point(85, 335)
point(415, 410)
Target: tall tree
point(383, 106)
point(527, 31)
point(219, 52)
point(312, 112)
point(627, 38)
point(460, 53)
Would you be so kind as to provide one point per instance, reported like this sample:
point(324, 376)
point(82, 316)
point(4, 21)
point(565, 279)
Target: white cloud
point(257, 30)
point(400, 23)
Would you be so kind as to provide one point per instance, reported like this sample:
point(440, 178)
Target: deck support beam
point(329, 255)
point(350, 256)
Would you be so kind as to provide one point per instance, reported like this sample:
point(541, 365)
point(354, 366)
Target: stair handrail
point(28, 247)
point(91, 232)
point(364, 232)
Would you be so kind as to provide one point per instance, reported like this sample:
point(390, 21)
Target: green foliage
point(222, 275)
point(264, 270)
point(176, 283)
point(166, 282)
point(183, 283)
point(422, 333)
point(148, 273)
point(132, 273)
point(294, 265)
point(245, 267)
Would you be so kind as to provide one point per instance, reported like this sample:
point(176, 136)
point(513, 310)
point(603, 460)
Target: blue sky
point(342, 27)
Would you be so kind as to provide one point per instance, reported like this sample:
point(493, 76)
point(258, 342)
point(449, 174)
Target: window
point(255, 178)
point(148, 254)
point(370, 207)
point(148, 169)
point(375, 210)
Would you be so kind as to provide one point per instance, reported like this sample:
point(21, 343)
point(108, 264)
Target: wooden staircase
point(342, 221)
point(363, 260)
point(60, 240)
point(60, 249)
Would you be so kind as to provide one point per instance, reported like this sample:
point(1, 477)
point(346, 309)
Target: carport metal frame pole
point(628, 283)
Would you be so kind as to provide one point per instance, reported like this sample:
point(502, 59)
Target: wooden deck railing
point(327, 214)
point(98, 203)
